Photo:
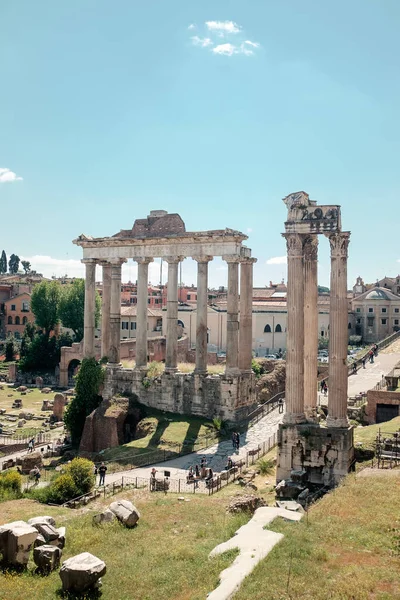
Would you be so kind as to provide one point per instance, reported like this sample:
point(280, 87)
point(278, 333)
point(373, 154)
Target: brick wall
point(375, 397)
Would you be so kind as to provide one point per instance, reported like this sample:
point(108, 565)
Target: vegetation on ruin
point(76, 479)
point(87, 397)
point(71, 307)
point(346, 548)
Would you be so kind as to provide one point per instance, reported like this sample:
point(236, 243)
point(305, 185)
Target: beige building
point(377, 313)
point(128, 322)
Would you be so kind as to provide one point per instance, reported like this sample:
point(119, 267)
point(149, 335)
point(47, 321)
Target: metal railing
point(262, 410)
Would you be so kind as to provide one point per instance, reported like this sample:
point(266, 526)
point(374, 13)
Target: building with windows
point(17, 313)
point(377, 313)
point(128, 322)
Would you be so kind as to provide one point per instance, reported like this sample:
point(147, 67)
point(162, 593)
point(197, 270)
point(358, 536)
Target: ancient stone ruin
point(307, 452)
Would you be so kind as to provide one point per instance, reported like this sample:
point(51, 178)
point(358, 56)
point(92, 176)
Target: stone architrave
point(338, 332)
point(105, 309)
point(246, 314)
point(232, 317)
point(115, 312)
point(295, 330)
point(310, 326)
point(141, 312)
point(89, 310)
point(171, 353)
point(201, 317)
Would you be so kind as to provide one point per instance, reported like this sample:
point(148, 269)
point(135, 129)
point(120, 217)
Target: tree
point(26, 265)
point(72, 307)
point(3, 263)
point(45, 302)
point(323, 290)
point(10, 349)
point(87, 398)
point(13, 263)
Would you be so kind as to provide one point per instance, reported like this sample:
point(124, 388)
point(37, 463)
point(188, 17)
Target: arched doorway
point(73, 369)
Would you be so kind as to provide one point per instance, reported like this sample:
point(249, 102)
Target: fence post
point(179, 486)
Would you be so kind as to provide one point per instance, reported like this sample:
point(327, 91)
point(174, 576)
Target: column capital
point(143, 260)
point(104, 263)
point(294, 244)
point(173, 259)
point(89, 261)
point(116, 262)
point(203, 258)
point(311, 248)
point(231, 259)
point(248, 261)
point(339, 243)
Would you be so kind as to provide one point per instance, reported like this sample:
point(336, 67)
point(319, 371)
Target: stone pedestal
point(325, 454)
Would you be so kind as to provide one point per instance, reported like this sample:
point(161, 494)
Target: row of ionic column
point(302, 329)
point(239, 335)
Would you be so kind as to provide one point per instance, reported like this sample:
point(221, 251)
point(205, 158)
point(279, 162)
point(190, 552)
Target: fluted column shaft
point(115, 312)
point(171, 358)
point(89, 308)
point(338, 332)
point(246, 314)
point(295, 330)
point(141, 312)
point(310, 326)
point(201, 315)
point(105, 310)
point(232, 317)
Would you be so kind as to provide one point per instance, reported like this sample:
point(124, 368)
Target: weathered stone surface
point(40, 541)
point(22, 388)
point(47, 558)
point(16, 540)
point(125, 512)
point(29, 461)
point(47, 531)
point(61, 537)
point(46, 390)
point(39, 520)
point(106, 516)
point(245, 503)
point(82, 572)
point(39, 382)
point(59, 403)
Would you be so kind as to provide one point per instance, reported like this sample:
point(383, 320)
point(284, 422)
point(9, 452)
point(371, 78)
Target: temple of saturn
point(307, 451)
point(161, 235)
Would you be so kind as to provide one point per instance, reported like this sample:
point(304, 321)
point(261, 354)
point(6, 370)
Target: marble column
point(295, 331)
point(89, 309)
point(310, 326)
point(171, 358)
point(232, 317)
point(105, 310)
point(141, 312)
point(338, 332)
point(246, 314)
point(201, 314)
point(115, 312)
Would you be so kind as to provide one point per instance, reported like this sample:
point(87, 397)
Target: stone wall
point(375, 397)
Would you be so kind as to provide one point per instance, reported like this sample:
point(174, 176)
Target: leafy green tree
point(13, 263)
point(82, 472)
point(72, 307)
point(10, 349)
point(26, 265)
point(87, 398)
point(42, 353)
point(3, 263)
point(45, 301)
point(323, 343)
point(323, 290)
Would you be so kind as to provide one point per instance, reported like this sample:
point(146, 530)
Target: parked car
point(323, 359)
point(271, 356)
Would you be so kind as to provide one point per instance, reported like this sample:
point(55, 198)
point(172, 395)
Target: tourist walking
point(237, 446)
point(102, 473)
point(280, 405)
point(363, 362)
point(354, 368)
point(234, 440)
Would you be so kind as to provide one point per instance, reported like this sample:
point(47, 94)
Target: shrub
point(62, 489)
point(219, 425)
point(10, 485)
point(82, 472)
point(10, 350)
point(266, 466)
point(155, 369)
point(256, 368)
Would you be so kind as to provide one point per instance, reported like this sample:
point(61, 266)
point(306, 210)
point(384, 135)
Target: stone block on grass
point(107, 516)
point(81, 573)
point(47, 558)
point(16, 541)
point(125, 512)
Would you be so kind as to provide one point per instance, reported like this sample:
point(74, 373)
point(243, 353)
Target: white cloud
point(249, 230)
point(277, 260)
point(203, 42)
point(225, 49)
point(254, 44)
point(7, 176)
point(222, 27)
point(192, 26)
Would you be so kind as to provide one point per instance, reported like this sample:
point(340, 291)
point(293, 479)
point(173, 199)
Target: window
point(9, 321)
point(383, 321)
point(358, 310)
point(396, 321)
point(370, 322)
point(370, 310)
point(133, 325)
point(125, 325)
point(12, 306)
point(278, 329)
point(188, 296)
point(148, 300)
point(24, 320)
point(349, 326)
point(25, 307)
point(396, 310)
point(322, 333)
point(267, 329)
point(383, 310)
point(358, 321)
point(17, 321)
point(181, 323)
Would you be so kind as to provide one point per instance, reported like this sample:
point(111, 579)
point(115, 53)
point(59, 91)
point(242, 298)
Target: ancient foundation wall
point(325, 453)
point(375, 397)
point(230, 398)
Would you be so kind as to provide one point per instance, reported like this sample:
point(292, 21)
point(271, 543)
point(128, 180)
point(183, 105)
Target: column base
point(294, 418)
point(200, 372)
point(311, 414)
point(341, 422)
point(233, 372)
point(171, 370)
point(141, 368)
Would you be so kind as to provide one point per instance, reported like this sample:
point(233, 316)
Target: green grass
point(367, 435)
point(165, 431)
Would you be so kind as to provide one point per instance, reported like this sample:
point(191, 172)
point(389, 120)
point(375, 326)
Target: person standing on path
point(237, 441)
point(102, 473)
point(280, 405)
point(234, 439)
point(363, 362)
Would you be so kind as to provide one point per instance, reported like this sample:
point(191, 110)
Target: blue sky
point(215, 110)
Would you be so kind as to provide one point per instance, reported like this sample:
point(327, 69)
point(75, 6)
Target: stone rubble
point(47, 558)
point(81, 573)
